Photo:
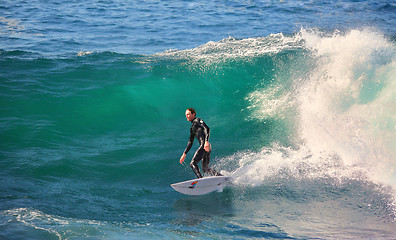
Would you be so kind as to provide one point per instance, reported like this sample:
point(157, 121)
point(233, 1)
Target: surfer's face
point(189, 116)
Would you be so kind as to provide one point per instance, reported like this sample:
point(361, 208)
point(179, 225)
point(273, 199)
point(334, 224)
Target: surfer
point(200, 131)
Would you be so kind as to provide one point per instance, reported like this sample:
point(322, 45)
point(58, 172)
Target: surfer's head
point(190, 114)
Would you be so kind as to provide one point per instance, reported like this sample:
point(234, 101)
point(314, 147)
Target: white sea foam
point(83, 53)
point(61, 227)
point(345, 117)
point(35, 219)
point(348, 105)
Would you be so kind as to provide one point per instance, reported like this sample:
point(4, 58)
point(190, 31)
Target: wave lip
point(230, 48)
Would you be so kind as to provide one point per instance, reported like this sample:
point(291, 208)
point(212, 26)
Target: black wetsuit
point(200, 131)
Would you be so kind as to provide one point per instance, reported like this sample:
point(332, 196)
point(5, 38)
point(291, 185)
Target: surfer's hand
point(207, 146)
point(182, 158)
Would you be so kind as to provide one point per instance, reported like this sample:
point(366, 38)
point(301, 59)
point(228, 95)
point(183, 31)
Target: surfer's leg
point(205, 165)
point(194, 162)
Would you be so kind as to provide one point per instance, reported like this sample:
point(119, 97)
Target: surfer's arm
point(189, 145)
point(206, 131)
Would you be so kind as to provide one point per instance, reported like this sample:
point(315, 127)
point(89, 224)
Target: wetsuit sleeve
point(190, 143)
point(206, 130)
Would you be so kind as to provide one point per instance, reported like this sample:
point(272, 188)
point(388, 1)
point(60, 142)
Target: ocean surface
point(300, 97)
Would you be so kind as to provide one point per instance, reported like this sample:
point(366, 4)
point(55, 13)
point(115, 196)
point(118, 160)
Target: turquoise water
point(300, 99)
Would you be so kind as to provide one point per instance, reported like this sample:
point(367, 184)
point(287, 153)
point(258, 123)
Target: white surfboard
point(202, 186)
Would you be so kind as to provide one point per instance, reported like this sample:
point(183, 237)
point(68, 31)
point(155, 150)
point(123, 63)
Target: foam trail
point(66, 228)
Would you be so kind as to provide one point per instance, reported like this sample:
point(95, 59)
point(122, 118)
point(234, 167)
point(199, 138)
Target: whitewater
point(300, 98)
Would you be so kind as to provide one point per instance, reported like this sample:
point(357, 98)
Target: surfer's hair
point(192, 111)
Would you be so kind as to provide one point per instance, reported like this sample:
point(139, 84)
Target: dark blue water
point(299, 96)
point(147, 27)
